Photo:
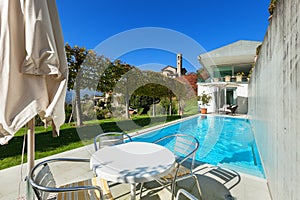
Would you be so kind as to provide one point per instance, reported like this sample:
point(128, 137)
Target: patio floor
point(213, 187)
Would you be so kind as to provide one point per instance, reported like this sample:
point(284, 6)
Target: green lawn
point(71, 138)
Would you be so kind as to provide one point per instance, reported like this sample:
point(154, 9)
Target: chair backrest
point(184, 146)
point(110, 139)
point(233, 108)
point(44, 186)
point(44, 178)
point(227, 177)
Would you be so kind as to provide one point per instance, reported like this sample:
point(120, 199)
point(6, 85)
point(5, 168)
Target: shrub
point(204, 98)
point(88, 111)
point(272, 6)
point(103, 113)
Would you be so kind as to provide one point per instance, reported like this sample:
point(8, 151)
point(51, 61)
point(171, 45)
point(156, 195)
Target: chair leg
point(173, 187)
point(198, 186)
point(141, 190)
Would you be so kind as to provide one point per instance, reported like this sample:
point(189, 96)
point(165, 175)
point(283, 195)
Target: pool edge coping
point(143, 131)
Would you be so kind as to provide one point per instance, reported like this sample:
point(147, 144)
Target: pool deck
point(244, 187)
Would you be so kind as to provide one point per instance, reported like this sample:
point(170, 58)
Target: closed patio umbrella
point(33, 67)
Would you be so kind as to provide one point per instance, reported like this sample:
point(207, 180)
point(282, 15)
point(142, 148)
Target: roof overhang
point(240, 52)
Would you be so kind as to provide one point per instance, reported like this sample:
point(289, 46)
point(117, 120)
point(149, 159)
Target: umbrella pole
point(30, 156)
point(30, 145)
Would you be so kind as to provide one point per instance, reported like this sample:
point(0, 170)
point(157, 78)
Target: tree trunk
point(170, 105)
point(153, 109)
point(179, 108)
point(78, 105)
point(126, 104)
point(70, 118)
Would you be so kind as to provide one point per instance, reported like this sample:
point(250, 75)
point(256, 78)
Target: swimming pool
point(224, 141)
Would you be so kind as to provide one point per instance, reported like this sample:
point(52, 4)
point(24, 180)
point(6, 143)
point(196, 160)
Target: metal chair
point(228, 177)
point(44, 184)
point(109, 139)
point(184, 147)
point(233, 109)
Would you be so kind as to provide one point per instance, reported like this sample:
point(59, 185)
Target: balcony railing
point(239, 79)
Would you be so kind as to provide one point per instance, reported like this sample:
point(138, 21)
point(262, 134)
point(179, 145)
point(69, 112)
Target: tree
point(95, 66)
point(191, 79)
point(111, 75)
point(145, 102)
point(87, 70)
point(75, 58)
point(148, 95)
point(148, 83)
point(103, 74)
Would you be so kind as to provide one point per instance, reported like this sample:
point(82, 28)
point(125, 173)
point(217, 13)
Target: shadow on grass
point(70, 139)
point(43, 142)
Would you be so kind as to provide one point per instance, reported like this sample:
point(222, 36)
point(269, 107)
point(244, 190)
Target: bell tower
point(179, 64)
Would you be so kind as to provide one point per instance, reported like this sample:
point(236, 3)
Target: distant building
point(174, 72)
point(179, 64)
point(97, 99)
point(169, 71)
point(225, 65)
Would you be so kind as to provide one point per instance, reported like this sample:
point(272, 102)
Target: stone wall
point(274, 101)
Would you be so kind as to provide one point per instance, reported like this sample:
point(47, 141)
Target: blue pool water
point(224, 141)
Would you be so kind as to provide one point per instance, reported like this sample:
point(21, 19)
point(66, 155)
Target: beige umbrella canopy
point(33, 67)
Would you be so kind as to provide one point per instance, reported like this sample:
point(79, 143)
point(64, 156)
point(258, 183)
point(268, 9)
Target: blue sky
point(211, 24)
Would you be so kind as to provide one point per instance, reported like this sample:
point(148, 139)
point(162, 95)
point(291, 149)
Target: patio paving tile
point(248, 188)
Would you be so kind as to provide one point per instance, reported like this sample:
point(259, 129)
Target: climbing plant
point(272, 6)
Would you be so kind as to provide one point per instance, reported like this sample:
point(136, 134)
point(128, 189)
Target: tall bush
point(272, 6)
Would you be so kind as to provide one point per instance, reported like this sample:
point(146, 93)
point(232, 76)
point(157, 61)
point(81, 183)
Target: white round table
point(132, 162)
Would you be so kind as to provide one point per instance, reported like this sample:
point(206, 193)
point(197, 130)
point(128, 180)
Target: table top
point(132, 162)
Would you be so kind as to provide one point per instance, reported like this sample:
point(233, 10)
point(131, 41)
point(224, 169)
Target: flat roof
point(240, 52)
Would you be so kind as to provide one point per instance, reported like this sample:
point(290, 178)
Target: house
point(169, 71)
point(229, 67)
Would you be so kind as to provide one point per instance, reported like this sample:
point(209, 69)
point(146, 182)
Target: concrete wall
point(274, 101)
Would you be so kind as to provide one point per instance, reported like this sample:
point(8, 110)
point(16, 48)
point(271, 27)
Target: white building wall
point(211, 108)
point(242, 91)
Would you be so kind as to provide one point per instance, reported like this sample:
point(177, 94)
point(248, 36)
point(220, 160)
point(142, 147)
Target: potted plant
point(239, 76)
point(204, 100)
point(216, 79)
point(227, 78)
